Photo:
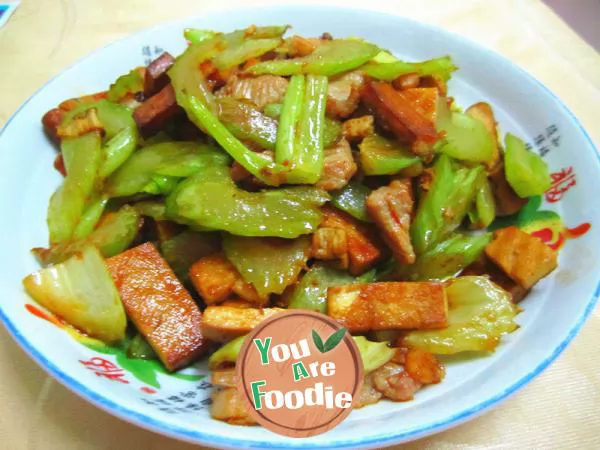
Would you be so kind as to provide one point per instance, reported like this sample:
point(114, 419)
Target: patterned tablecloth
point(557, 410)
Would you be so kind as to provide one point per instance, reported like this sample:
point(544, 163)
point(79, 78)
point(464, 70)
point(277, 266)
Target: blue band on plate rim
point(382, 440)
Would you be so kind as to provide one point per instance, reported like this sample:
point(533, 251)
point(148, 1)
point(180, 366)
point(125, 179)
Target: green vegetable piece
point(381, 156)
point(118, 149)
point(311, 292)
point(130, 83)
point(114, 234)
point(445, 259)
point(184, 249)
point(267, 171)
point(330, 58)
point(464, 137)
point(152, 208)
point(195, 35)
point(140, 349)
point(479, 313)
point(90, 218)
point(269, 265)
point(332, 130)
point(273, 110)
point(210, 199)
point(445, 205)
point(188, 80)
point(373, 354)
point(483, 212)
point(289, 119)
point(227, 354)
point(352, 199)
point(82, 292)
point(82, 156)
point(142, 171)
point(526, 172)
point(386, 69)
point(245, 121)
point(234, 55)
point(160, 185)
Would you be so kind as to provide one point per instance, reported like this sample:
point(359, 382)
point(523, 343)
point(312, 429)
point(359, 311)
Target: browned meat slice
point(156, 76)
point(391, 209)
point(261, 90)
point(329, 244)
point(410, 114)
point(151, 115)
point(389, 306)
point(229, 406)
point(507, 200)
point(368, 395)
point(524, 258)
point(159, 306)
point(51, 121)
point(343, 94)
point(355, 130)
point(365, 249)
point(59, 165)
point(301, 46)
point(394, 382)
point(339, 166)
point(407, 81)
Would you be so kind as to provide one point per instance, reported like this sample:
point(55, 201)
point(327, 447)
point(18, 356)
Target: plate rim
point(199, 437)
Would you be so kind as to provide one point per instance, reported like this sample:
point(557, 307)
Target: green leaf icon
point(331, 342)
point(318, 341)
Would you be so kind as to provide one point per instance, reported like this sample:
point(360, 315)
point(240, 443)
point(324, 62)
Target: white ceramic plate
point(554, 311)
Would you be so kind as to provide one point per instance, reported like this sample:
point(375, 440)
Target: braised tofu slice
point(410, 114)
point(331, 244)
point(216, 280)
point(391, 209)
point(524, 258)
point(389, 306)
point(224, 323)
point(365, 249)
point(159, 306)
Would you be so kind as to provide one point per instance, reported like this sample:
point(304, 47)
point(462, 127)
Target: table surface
point(557, 410)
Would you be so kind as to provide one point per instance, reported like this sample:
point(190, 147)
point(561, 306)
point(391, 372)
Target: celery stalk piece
point(270, 265)
point(227, 354)
point(388, 71)
point(267, 171)
point(330, 58)
point(129, 83)
point(245, 121)
point(332, 130)
point(82, 292)
point(373, 354)
point(195, 35)
point(118, 149)
point(445, 259)
point(484, 211)
point(188, 80)
point(211, 200)
point(445, 205)
point(114, 234)
point(479, 313)
point(291, 111)
point(90, 218)
point(150, 167)
point(381, 156)
point(234, 55)
point(308, 160)
point(82, 157)
point(187, 247)
point(526, 172)
point(352, 199)
point(140, 349)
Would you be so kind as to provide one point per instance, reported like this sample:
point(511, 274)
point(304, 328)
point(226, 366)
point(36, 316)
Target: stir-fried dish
point(257, 172)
